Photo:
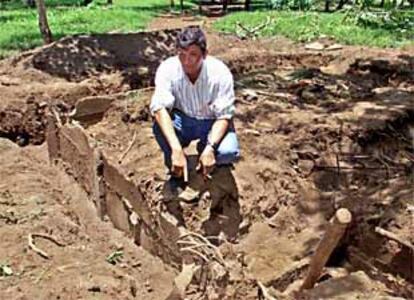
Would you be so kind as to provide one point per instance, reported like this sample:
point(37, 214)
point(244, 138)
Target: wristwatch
point(213, 145)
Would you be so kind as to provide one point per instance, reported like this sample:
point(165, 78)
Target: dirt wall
point(77, 58)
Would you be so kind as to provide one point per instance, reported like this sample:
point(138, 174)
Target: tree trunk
point(31, 3)
point(109, 2)
point(43, 24)
point(225, 2)
point(247, 5)
point(182, 6)
point(342, 3)
point(172, 4)
point(327, 4)
point(87, 2)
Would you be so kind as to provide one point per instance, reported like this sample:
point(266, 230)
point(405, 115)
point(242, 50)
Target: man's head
point(192, 49)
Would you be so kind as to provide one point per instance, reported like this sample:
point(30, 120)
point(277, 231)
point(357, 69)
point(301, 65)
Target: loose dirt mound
point(37, 198)
point(318, 131)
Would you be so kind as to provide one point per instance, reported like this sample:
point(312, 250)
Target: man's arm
point(163, 100)
point(178, 159)
point(218, 130)
point(223, 107)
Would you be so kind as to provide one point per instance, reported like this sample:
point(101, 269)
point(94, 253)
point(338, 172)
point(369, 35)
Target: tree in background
point(31, 3)
point(43, 24)
point(172, 4)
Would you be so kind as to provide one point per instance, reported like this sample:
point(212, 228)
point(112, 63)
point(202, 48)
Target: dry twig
point(38, 250)
point(204, 246)
point(266, 295)
point(253, 31)
point(199, 254)
point(393, 236)
point(134, 138)
point(57, 117)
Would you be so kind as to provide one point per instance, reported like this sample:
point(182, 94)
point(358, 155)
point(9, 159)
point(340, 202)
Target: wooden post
point(328, 243)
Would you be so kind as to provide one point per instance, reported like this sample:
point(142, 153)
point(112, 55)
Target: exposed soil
point(319, 130)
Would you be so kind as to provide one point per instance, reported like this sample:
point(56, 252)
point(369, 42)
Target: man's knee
point(228, 151)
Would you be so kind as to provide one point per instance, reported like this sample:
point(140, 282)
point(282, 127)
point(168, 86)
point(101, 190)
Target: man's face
point(191, 59)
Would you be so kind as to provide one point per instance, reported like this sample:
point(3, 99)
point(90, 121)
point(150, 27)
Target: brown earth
point(318, 130)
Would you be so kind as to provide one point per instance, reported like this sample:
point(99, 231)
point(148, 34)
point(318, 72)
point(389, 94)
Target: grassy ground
point(19, 28)
point(306, 26)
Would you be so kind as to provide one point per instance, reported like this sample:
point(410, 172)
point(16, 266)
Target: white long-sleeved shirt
point(210, 97)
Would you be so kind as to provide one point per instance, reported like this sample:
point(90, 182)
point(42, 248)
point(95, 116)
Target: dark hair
point(192, 36)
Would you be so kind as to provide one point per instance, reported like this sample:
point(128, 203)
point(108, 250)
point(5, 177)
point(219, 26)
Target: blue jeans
point(189, 129)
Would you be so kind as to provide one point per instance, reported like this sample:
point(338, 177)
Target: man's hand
point(178, 159)
point(179, 164)
point(207, 161)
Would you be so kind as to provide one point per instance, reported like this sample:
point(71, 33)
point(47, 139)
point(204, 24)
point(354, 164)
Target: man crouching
point(194, 100)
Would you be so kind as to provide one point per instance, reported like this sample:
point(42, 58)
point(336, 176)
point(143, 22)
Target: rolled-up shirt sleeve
point(162, 97)
point(223, 104)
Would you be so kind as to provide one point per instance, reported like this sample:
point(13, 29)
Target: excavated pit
point(313, 140)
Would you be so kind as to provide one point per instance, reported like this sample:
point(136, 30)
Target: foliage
point(115, 257)
point(394, 19)
point(290, 4)
point(307, 26)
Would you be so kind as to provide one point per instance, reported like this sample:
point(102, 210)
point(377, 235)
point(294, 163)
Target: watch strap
point(213, 145)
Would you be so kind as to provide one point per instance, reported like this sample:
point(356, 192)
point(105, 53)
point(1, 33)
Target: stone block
point(116, 211)
point(76, 151)
point(52, 137)
point(127, 189)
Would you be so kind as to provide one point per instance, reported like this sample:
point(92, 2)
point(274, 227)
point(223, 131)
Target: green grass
point(307, 26)
point(19, 29)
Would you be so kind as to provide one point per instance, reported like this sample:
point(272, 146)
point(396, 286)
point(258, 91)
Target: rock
point(22, 141)
point(143, 71)
point(6, 144)
point(125, 117)
point(315, 46)
point(189, 195)
point(306, 166)
point(91, 106)
point(94, 289)
point(308, 96)
point(183, 280)
point(42, 104)
point(249, 95)
point(354, 286)
point(148, 287)
point(269, 256)
point(140, 115)
point(252, 132)
point(334, 47)
point(133, 286)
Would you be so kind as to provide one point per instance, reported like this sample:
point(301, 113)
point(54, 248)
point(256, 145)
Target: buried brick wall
point(158, 233)
point(120, 199)
point(74, 149)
